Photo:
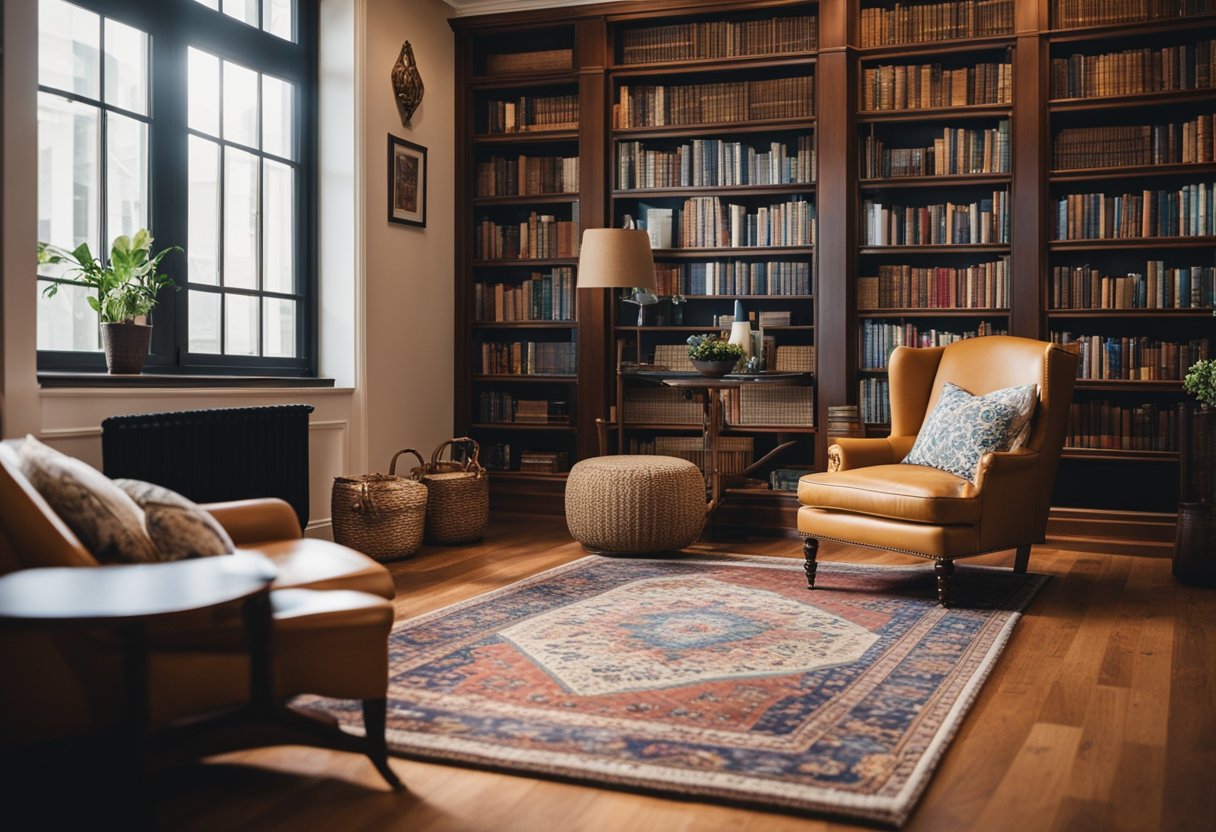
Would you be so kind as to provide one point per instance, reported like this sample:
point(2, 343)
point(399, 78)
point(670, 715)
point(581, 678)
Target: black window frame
point(172, 27)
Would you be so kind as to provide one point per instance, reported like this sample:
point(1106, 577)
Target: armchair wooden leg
point(374, 719)
point(810, 550)
point(1022, 559)
point(944, 570)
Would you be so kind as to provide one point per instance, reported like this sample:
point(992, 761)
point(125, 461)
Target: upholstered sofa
point(331, 608)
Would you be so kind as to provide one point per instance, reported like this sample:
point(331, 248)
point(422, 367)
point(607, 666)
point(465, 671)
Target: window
point(194, 118)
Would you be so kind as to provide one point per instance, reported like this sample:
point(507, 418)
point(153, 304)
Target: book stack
point(704, 222)
point(879, 339)
point(1069, 13)
point(1082, 287)
point(718, 39)
point(905, 23)
point(526, 358)
point(495, 407)
point(875, 399)
point(925, 86)
point(775, 317)
point(958, 151)
point(982, 286)
point(540, 237)
point(1135, 71)
point(659, 105)
point(785, 478)
point(541, 412)
point(985, 221)
point(543, 462)
point(538, 61)
point(540, 297)
point(844, 421)
point(496, 456)
point(1133, 358)
point(527, 175)
point(532, 113)
point(1189, 142)
point(715, 163)
point(1189, 211)
point(1110, 426)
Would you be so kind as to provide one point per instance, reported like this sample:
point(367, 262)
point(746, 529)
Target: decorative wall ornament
point(407, 83)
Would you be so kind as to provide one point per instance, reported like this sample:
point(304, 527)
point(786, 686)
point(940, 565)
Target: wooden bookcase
point(846, 121)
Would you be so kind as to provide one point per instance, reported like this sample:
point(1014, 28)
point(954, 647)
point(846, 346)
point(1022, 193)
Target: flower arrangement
point(1200, 382)
point(712, 348)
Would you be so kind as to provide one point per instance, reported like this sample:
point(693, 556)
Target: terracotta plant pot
point(126, 347)
point(714, 369)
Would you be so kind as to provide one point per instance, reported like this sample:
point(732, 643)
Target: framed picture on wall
point(406, 182)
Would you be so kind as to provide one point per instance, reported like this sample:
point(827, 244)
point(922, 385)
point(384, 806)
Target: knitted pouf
point(635, 504)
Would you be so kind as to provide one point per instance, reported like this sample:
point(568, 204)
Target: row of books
point(879, 339)
point(923, 86)
point(735, 277)
point(1083, 287)
point(982, 286)
point(715, 163)
point(1133, 358)
point(875, 401)
point(496, 407)
point(534, 61)
point(1189, 142)
point(914, 23)
point(1105, 425)
point(529, 113)
point(718, 39)
point(785, 478)
point(844, 420)
point(496, 456)
point(1067, 14)
point(660, 105)
point(705, 222)
point(526, 358)
point(1134, 71)
point(984, 221)
point(527, 175)
point(540, 297)
point(539, 237)
point(1189, 211)
point(734, 452)
point(959, 151)
point(544, 462)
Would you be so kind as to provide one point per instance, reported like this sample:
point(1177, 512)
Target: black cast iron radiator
point(215, 455)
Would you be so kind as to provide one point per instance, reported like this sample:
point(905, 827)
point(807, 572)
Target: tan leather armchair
point(868, 497)
point(331, 618)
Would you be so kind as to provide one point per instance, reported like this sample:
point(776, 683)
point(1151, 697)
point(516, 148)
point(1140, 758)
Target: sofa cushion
point(177, 526)
point(962, 427)
point(309, 563)
point(107, 521)
point(902, 492)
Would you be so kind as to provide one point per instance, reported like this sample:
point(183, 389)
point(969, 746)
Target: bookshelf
point(920, 158)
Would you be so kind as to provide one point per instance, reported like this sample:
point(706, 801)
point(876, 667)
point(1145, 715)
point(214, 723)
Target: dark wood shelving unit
point(524, 324)
point(526, 199)
point(961, 112)
point(714, 190)
point(525, 262)
point(1132, 242)
point(952, 312)
point(694, 131)
point(932, 48)
point(1132, 171)
point(529, 137)
point(937, 181)
point(954, 248)
point(520, 378)
point(736, 251)
point(1147, 99)
point(1107, 31)
point(532, 426)
point(788, 60)
point(1152, 314)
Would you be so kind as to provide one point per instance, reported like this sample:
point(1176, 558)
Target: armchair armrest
point(256, 521)
point(1004, 466)
point(1010, 513)
point(849, 453)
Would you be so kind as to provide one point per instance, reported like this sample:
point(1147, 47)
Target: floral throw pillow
point(962, 427)
point(178, 526)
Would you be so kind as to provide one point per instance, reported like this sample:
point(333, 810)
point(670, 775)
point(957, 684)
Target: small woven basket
point(381, 515)
point(458, 495)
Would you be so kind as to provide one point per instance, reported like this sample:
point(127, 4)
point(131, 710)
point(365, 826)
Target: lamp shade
point(615, 258)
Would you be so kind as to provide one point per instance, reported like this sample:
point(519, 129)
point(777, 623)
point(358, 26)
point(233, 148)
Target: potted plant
point(126, 292)
point(1195, 541)
point(712, 356)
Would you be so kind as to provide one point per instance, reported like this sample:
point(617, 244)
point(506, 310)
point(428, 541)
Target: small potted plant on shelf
point(712, 356)
point(1195, 540)
point(126, 292)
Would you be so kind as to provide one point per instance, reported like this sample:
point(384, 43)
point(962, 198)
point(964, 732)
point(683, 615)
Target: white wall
point(386, 314)
point(408, 271)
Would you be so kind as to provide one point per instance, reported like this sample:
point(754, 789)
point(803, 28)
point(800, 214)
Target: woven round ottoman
point(635, 504)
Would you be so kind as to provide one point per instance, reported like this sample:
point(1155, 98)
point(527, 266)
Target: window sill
point(53, 380)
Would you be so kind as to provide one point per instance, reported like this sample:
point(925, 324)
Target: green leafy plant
point(712, 348)
point(126, 286)
point(1200, 381)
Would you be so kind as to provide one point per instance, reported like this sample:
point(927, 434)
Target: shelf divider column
point(1031, 158)
point(462, 353)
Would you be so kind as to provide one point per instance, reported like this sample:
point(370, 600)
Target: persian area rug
point(720, 678)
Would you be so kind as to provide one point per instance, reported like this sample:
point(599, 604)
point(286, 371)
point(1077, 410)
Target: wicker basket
point(458, 495)
point(381, 515)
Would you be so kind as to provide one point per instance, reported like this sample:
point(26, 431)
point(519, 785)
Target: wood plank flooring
point(1100, 715)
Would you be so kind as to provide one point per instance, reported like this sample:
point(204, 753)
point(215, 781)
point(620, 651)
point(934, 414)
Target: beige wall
point(408, 271)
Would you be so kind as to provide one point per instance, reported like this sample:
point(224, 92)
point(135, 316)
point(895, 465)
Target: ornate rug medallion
point(716, 677)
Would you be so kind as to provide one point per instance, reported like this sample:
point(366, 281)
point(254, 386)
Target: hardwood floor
point(1101, 715)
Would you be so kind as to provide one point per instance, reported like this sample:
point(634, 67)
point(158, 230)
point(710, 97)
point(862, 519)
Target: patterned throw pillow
point(178, 527)
point(107, 521)
point(962, 427)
